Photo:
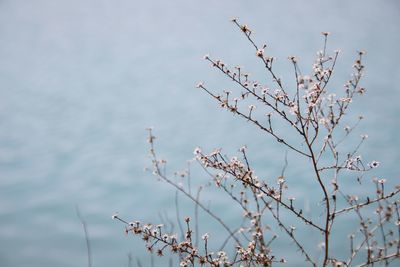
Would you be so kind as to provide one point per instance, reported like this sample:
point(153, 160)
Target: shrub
point(315, 115)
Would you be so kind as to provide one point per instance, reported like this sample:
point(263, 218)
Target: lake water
point(81, 80)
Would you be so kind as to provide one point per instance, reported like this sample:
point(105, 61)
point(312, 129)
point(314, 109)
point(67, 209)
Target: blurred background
point(80, 80)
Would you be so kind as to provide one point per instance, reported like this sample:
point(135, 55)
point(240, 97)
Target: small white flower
point(215, 152)
point(353, 198)
point(205, 236)
point(221, 254)
point(256, 235)
point(245, 29)
point(346, 99)
point(147, 227)
point(293, 109)
point(382, 181)
point(197, 151)
point(260, 52)
point(300, 79)
point(323, 121)
point(374, 164)
point(200, 85)
point(349, 164)
point(293, 59)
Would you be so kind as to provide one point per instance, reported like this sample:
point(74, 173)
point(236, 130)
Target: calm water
point(81, 80)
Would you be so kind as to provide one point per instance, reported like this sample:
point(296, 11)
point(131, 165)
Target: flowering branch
point(313, 113)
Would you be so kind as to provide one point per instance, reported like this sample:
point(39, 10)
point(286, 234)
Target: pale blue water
point(81, 80)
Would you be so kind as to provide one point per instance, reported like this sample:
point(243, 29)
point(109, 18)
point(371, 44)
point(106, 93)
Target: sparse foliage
point(315, 115)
